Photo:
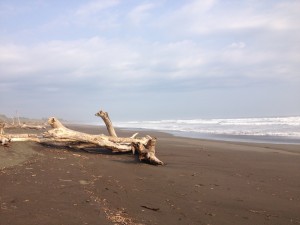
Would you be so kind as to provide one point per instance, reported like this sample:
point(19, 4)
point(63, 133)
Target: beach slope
point(203, 182)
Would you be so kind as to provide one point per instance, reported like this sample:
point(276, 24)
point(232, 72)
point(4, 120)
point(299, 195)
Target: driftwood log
point(62, 136)
point(24, 126)
point(21, 126)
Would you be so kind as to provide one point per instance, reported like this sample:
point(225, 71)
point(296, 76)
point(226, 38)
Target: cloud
point(140, 13)
point(211, 17)
point(10, 9)
point(196, 7)
point(124, 61)
point(99, 63)
point(63, 59)
point(93, 7)
point(111, 52)
point(96, 58)
point(84, 19)
point(237, 45)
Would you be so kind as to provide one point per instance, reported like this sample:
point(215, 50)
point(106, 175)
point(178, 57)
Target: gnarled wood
point(7, 138)
point(2, 125)
point(108, 123)
point(62, 136)
point(59, 132)
point(24, 126)
point(35, 127)
point(145, 146)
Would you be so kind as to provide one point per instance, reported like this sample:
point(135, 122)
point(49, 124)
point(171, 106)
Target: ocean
point(269, 130)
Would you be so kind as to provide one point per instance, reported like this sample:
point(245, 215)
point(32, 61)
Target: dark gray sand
point(203, 182)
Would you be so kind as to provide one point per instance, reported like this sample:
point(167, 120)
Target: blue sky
point(145, 60)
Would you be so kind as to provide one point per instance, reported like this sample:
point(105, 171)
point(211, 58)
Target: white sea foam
point(279, 126)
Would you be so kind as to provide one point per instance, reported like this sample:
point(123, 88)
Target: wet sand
point(203, 182)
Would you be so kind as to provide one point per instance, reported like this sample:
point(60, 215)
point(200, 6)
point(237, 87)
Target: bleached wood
point(145, 146)
point(65, 137)
point(108, 123)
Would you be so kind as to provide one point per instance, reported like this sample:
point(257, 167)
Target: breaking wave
point(277, 126)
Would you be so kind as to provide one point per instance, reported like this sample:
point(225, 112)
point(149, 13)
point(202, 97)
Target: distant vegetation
point(4, 118)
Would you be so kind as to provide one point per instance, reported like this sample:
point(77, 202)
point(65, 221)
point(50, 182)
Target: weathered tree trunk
point(60, 135)
point(35, 127)
point(107, 121)
point(2, 125)
point(25, 126)
point(145, 146)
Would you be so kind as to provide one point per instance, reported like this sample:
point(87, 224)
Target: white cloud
point(125, 63)
point(196, 7)
point(103, 51)
point(237, 45)
point(211, 17)
point(93, 7)
point(97, 57)
point(95, 14)
point(120, 61)
point(140, 12)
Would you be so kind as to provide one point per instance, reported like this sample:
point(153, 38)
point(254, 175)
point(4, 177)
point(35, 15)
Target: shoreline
point(259, 139)
point(225, 137)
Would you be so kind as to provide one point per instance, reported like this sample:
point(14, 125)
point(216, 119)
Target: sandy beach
point(203, 182)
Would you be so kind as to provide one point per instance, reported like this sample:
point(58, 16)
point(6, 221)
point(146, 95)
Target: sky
point(150, 60)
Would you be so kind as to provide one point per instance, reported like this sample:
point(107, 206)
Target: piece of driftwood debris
point(59, 135)
point(23, 125)
point(150, 208)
